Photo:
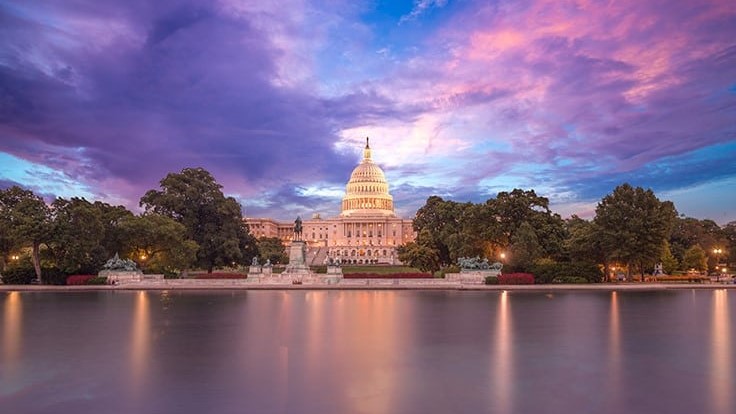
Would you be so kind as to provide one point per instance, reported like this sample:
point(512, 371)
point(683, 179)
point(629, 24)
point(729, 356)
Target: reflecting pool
point(324, 352)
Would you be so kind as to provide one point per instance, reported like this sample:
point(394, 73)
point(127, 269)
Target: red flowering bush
point(388, 276)
point(79, 279)
point(516, 279)
point(220, 276)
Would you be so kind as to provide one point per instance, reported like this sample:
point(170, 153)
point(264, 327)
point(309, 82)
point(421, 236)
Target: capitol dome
point(367, 190)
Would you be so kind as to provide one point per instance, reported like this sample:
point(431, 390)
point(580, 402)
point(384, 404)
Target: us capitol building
point(367, 231)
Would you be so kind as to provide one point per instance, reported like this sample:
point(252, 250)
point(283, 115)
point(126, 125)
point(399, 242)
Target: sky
point(462, 99)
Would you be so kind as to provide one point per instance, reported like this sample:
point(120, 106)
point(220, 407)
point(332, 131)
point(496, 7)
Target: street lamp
point(717, 251)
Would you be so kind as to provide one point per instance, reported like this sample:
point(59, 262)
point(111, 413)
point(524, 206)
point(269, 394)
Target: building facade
point(367, 231)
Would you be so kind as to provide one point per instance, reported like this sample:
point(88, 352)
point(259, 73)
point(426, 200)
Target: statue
point(298, 228)
point(268, 263)
point(118, 264)
point(254, 262)
point(475, 263)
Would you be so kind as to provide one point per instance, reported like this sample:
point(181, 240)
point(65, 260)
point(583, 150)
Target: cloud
point(568, 97)
point(420, 7)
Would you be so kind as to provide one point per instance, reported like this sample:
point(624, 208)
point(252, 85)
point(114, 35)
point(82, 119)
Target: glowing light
point(721, 369)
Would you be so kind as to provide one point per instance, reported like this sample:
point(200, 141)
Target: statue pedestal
point(254, 269)
point(334, 270)
point(297, 259)
point(116, 277)
point(472, 277)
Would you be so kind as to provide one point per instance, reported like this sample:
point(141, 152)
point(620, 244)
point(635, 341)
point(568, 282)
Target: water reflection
point(12, 323)
point(503, 356)
point(721, 370)
point(140, 343)
point(614, 348)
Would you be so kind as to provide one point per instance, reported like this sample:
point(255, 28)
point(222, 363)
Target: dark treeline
point(631, 232)
point(187, 223)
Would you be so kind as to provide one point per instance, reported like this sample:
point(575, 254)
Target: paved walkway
point(362, 284)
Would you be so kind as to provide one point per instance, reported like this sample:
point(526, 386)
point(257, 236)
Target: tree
point(695, 258)
point(633, 225)
point(525, 248)
point(78, 234)
point(215, 222)
point(688, 231)
point(420, 256)
point(583, 243)
point(271, 248)
point(25, 216)
point(158, 243)
point(511, 209)
point(669, 261)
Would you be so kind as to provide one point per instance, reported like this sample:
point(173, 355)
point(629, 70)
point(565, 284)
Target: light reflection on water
point(140, 345)
point(614, 349)
point(503, 358)
point(367, 352)
point(12, 335)
point(721, 364)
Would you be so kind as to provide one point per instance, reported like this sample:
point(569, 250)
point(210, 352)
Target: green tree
point(76, 243)
point(157, 243)
point(421, 256)
point(669, 261)
point(525, 248)
point(439, 230)
point(511, 209)
point(583, 243)
point(729, 234)
point(213, 221)
point(25, 216)
point(633, 225)
point(695, 258)
point(271, 248)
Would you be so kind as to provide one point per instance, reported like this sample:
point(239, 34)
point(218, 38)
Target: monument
point(474, 270)
point(297, 266)
point(118, 270)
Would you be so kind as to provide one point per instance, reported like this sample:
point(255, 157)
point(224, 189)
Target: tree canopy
point(633, 225)
point(215, 222)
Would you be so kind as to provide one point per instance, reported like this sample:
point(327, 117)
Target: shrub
point(491, 280)
point(516, 279)
point(18, 276)
point(553, 272)
point(319, 269)
point(570, 279)
point(53, 276)
point(413, 275)
point(79, 279)
point(97, 281)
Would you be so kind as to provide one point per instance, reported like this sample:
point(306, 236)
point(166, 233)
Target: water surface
point(368, 352)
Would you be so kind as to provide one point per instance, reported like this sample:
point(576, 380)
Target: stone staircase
point(316, 256)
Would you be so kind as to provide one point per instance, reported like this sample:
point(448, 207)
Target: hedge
point(567, 272)
point(516, 279)
point(79, 279)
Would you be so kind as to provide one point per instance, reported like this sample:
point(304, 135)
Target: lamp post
point(717, 251)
